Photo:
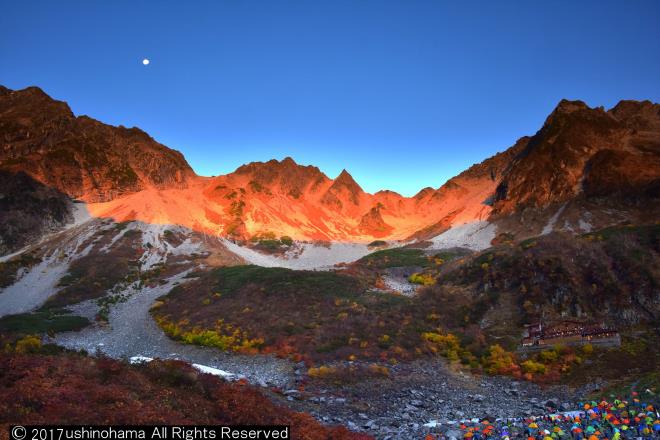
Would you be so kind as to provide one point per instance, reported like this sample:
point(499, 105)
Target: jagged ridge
point(579, 153)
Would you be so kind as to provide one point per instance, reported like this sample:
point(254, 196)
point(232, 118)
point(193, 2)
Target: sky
point(403, 94)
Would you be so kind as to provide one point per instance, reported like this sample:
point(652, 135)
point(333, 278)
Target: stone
point(552, 403)
point(454, 434)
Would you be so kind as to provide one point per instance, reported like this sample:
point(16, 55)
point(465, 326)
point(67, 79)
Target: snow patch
point(214, 371)
point(188, 247)
point(475, 236)
point(140, 359)
point(114, 239)
point(158, 249)
point(585, 226)
point(199, 367)
point(12, 255)
point(548, 228)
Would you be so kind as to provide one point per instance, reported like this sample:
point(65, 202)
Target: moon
point(145, 61)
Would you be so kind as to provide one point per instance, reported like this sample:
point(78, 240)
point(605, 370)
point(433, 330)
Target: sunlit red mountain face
point(580, 155)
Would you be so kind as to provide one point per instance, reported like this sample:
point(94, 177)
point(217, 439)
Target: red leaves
point(80, 390)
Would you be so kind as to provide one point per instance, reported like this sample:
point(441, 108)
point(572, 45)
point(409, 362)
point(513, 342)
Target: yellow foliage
point(28, 344)
point(224, 337)
point(498, 360)
point(547, 356)
point(425, 279)
point(529, 366)
point(322, 371)
point(156, 305)
point(447, 345)
point(379, 370)
point(448, 340)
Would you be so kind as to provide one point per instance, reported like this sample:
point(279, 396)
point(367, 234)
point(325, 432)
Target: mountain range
point(581, 161)
point(333, 301)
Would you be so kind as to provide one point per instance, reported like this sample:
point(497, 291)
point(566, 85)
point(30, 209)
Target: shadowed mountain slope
point(80, 156)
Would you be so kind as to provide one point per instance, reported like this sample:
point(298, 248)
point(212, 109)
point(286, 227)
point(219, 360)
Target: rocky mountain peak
point(424, 192)
point(283, 176)
point(579, 146)
point(580, 152)
point(345, 180)
point(569, 106)
point(80, 156)
point(344, 189)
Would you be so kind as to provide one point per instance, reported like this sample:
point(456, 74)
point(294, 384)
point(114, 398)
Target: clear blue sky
point(404, 94)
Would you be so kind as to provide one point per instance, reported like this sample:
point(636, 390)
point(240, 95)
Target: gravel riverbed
point(131, 332)
point(417, 398)
point(426, 393)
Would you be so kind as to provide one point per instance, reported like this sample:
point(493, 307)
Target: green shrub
point(548, 356)
point(397, 257)
point(45, 321)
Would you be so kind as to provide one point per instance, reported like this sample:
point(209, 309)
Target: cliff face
point(28, 209)
point(581, 151)
point(80, 156)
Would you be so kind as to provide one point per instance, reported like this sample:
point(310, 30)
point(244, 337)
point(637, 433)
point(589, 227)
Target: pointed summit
point(343, 189)
point(345, 180)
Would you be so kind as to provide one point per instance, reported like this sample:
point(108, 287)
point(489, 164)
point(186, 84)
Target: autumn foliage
point(73, 389)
